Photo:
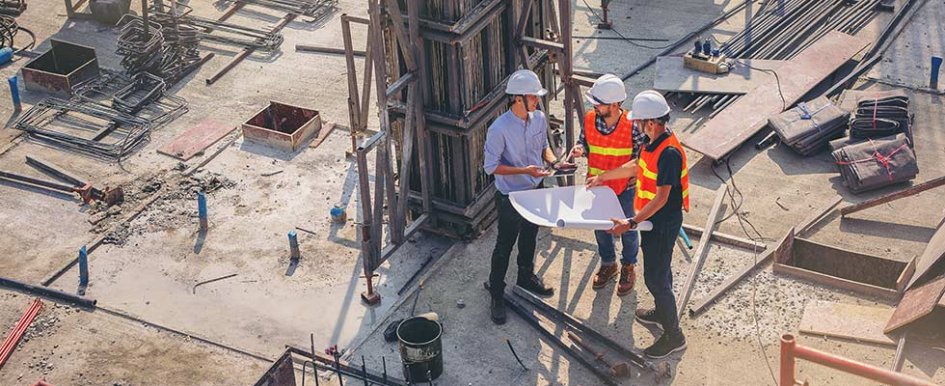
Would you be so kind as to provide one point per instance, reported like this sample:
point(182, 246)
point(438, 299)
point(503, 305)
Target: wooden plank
point(911, 191)
point(834, 281)
point(196, 139)
point(916, 303)
point(702, 250)
point(934, 254)
point(846, 321)
point(732, 280)
point(900, 359)
point(695, 231)
point(326, 130)
point(744, 76)
point(816, 217)
point(747, 116)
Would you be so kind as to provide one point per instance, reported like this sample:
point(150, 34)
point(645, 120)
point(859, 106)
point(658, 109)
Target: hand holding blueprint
point(571, 207)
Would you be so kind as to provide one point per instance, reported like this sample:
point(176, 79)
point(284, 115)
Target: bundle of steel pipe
point(783, 32)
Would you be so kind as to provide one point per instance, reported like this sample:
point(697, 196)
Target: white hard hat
point(648, 104)
point(524, 82)
point(606, 90)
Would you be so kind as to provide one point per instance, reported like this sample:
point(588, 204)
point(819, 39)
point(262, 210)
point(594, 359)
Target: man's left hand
point(621, 226)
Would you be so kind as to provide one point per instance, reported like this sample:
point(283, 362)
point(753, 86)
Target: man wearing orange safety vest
point(610, 140)
point(662, 195)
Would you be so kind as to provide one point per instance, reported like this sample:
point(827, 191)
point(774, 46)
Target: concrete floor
point(150, 274)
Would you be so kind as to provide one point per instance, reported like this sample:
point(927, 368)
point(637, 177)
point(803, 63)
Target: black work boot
point(533, 284)
point(648, 317)
point(667, 344)
point(497, 308)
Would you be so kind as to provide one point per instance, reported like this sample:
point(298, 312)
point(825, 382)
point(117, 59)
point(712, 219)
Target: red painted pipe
point(791, 350)
point(13, 338)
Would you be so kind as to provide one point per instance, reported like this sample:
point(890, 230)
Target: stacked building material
point(141, 48)
point(881, 115)
point(892, 116)
point(809, 125)
point(468, 54)
point(877, 163)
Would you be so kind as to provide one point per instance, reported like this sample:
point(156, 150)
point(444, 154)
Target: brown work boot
point(605, 274)
point(627, 279)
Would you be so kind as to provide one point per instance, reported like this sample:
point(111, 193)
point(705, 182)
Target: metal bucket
point(420, 349)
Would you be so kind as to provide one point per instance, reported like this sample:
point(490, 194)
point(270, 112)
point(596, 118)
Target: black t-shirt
point(669, 173)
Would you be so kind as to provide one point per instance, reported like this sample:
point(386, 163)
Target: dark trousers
point(605, 241)
point(512, 227)
point(657, 246)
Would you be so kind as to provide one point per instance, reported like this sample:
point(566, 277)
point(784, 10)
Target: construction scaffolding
point(442, 67)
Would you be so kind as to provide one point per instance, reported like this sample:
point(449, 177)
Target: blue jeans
point(605, 242)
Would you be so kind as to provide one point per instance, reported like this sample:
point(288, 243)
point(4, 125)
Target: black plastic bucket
point(420, 348)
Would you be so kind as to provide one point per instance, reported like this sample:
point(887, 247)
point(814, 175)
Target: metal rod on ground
point(363, 371)
point(536, 324)
point(509, 342)
point(327, 50)
point(414, 276)
point(384, 367)
point(48, 293)
point(211, 281)
point(661, 369)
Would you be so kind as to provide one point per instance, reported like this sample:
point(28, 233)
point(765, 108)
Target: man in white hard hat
point(662, 195)
point(609, 140)
point(516, 153)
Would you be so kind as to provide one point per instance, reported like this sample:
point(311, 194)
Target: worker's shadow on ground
point(347, 191)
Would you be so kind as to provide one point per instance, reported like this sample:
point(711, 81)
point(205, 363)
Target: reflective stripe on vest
point(607, 152)
point(647, 174)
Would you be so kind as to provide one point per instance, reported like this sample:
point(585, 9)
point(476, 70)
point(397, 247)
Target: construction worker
point(662, 195)
point(516, 152)
point(610, 140)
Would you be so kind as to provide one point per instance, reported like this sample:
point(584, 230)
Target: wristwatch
point(633, 223)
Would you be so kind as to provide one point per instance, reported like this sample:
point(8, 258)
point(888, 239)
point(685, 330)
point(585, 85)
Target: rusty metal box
point(282, 126)
point(58, 70)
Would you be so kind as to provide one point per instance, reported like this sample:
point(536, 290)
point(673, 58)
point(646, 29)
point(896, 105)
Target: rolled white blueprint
point(598, 224)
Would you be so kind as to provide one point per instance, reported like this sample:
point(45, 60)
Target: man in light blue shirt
point(516, 153)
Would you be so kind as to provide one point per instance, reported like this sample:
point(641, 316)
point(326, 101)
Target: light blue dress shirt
point(514, 142)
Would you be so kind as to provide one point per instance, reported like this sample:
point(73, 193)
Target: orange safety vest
point(647, 172)
point(606, 152)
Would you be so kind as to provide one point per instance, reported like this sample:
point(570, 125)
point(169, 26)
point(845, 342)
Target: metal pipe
point(48, 293)
point(790, 351)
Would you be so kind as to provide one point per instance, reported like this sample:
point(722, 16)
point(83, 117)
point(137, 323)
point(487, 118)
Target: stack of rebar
point(783, 30)
point(200, 28)
point(312, 8)
point(141, 49)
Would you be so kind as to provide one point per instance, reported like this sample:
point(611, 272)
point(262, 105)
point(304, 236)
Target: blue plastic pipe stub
point(201, 205)
point(936, 67)
point(14, 91)
point(83, 267)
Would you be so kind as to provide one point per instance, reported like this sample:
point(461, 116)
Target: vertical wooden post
point(354, 106)
point(420, 99)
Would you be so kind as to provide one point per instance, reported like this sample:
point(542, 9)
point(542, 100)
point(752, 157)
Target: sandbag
point(877, 163)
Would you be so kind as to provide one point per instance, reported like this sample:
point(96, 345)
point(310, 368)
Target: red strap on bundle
point(879, 157)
